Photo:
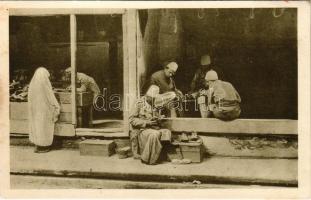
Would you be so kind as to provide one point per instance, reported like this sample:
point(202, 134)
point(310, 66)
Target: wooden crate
point(19, 110)
point(22, 127)
point(19, 120)
point(82, 98)
point(84, 106)
point(191, 150)
point(97, 147)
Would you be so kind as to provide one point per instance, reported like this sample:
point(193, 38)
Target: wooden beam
point(238, 126)
point(125, 73)
point(132, 45)
point(129, 24)
point(63, 11)
point(73, 51)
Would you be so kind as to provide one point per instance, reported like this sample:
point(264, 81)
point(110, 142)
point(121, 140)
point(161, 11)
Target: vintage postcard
point(155, 99)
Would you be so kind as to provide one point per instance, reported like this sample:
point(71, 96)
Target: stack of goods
point(19, 86)
point(186, 148)
point(21, 79)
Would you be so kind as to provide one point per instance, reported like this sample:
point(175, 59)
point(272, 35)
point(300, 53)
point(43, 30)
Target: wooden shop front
point(259, 117)
point(82, 52)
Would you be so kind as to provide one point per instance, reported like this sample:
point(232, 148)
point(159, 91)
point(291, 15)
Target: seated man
point(164, 80)
point(146, 134)
point(198, 86)
point(87, 82)
point(223, 101)
point(198, 81)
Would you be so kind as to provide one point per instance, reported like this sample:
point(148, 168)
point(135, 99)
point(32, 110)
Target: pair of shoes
point(194, 136)
point(42, 149)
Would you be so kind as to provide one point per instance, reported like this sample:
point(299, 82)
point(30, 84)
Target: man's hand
point(178, 92)
point(152, 123)
point(154, 118)
point(203, 92)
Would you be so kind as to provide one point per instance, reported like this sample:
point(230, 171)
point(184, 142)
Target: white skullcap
point(173, 66)
point(153, 91)
point(205, 60)
point(211, 75)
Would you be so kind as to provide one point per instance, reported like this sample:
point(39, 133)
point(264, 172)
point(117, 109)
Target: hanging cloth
point(170, 36)
point(43, 109)
point(151, 41)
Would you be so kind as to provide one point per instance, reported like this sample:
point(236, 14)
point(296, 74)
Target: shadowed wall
point(256, 50)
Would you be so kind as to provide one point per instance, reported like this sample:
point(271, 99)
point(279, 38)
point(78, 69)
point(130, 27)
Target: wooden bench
point(238, 126)
point(242, 137)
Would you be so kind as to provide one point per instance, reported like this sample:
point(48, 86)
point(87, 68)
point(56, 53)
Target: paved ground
point(69, 163)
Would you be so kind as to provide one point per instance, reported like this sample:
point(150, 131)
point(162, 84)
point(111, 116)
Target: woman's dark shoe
point(42, 149)
point(147, 162)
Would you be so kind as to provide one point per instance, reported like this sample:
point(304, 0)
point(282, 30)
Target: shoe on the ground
point(142, 161)
point(194, 136)
point(42, 149)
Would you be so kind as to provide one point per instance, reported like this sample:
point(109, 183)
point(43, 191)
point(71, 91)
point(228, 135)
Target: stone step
point(255, 147)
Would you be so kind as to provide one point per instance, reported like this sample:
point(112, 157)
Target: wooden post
point(73, 50)
point(125, 74)
point(129, 24)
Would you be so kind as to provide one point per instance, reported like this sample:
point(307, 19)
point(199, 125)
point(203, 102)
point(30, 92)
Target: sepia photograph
point(157, 98)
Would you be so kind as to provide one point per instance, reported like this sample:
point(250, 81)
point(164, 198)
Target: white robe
point(43, 109)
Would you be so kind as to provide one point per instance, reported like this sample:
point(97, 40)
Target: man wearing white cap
point(223, 101)
point(146, 134)
point(198, 81)
point(164, 80)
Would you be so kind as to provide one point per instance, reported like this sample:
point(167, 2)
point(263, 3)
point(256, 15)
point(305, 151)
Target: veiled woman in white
point(43, 110)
